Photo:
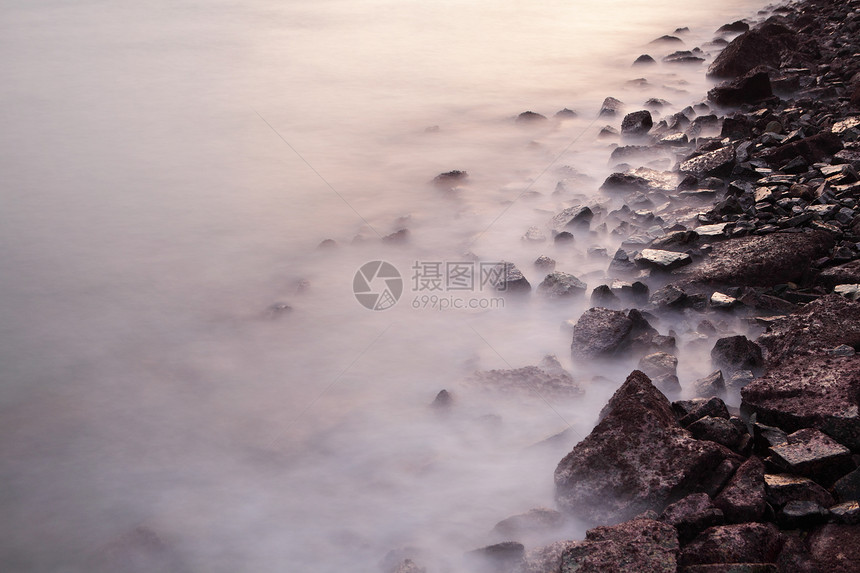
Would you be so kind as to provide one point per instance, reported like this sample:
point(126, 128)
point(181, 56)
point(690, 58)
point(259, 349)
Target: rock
point(563, 237)
point(408, 566)
point(574, 217)
point(565, 113)
point(812, 454)
point(743, 499)
point(761, 260)
point(644, 60)
point(718, 430)
point(625, 183)
point(848, 273)
point(538, 519)
point(603, 296)
point(822, 324)
point(835, 548)
point(841, 351)
point(637, 123)
point(720, 300)
point(700, 408)
point(752, 88)
point(503, 557)
point(659, 364)
point(561, 285)
point(744, 53)
point(662, 260)
point(534, 235)
point(783, 488)
point(813, 149)
point(397, 238)
point(711, 385)
point(636, 459)
point(450, 178)
point(802, 514)
point(667, 40)
point(810, 392)
point(734, 353)
point(530, 117)
point(851, 292)
point(719, 161)
point(847, 488)
point(545, 263)
point(631, 547)
point(742, 543)
point(670, 296)
point(684, 57)
point(737, 27)
point(765, 437)
point(547, 379)
point(443, 400)
point(610, 107)
point(546, 559)
point(600, 333)
point(739, 380)
point(140, 550)
point(692, 515)
point(506, 277)
point(847, 513)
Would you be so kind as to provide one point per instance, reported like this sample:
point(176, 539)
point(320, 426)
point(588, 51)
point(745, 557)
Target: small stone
point(720, 300)
point(663, 260)
point(644, 60)
point(530, 117)
point(561, 285)
point(711, 385)
point(545, 263)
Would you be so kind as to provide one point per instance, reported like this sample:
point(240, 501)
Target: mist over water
point(169, 169)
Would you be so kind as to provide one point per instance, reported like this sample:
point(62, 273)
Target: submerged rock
point(561, 285)
point(734, 353)
point(637, 123)
point(548, 378)
point(637, 458)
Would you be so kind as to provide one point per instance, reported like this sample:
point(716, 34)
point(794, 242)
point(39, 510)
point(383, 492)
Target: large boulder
point(819, 392)
point(813, 149)
point(761, 260)
point(743, 498)
point(744, 53)
point(637, 458)
point(753, 87)
point(637, 123)
point(823, 324)
point(742, 543)
point(735, 353)
point(631, 547)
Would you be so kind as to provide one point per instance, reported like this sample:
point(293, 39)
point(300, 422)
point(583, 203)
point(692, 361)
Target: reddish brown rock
point(744, 53)
point(743, 543)
point(753, 87)
point(813, 149)
point(761, 260)
point(743, 499)
point(692, 515)
point(811, 454)
point(836, 548)
point(849, 273)
point(637, 458)
point(632, 547)
point(810, 392)
point(823, 324)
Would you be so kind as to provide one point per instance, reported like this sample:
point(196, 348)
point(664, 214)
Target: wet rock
point(783, 488)
point(637, 458)
point(734, 353)
point(561, 285)
point(810, 392)
point(540, 519)
point(610, 107)
point(752, 88)
point(811, 454)
point(530, 117)
point(692, 515)
point(631, 547)
point(548, 378)
point(744, 53)
point(141, 550)
point(662, 260)
point(719, 161)
point(506, 277)
point(711, 385)
point(761, 260)
point(847, 488)
point(822, 324)
point(743, 499)
point(717, 430)
point(574, 217)
point(742, 543)
point(644, 60)
point(637, 123)
point(503, 557)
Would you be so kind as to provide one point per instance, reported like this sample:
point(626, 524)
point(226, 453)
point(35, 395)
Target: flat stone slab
point(663, 260)
point(810, 453)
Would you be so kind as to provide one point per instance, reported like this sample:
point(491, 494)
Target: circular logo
point(377, 285)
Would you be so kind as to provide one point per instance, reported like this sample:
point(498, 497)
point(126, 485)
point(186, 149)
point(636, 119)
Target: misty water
point(168, 172)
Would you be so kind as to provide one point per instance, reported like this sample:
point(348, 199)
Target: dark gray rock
point(717, 162)
point(747, 51)
point(505, 557)
point(713, 407)
point(783, 488)
point(711, 385)
point(802, 514)
point(734, 353)
point(601, 333)
point(548, 378)
point(692, 515)
point(561, 285)
point(662, 260)
point(610, 107)
point(753, 87)
point(717, 430)
point(530, 117)
point(644, 60)
point(637, 123)
point(811, 454)
point(574, 217)
point(636, 459)
point(847, 488)
point(508, 278)
point(631, 547)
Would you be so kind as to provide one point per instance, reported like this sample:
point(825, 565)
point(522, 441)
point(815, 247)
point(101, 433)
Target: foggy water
point(168, 170)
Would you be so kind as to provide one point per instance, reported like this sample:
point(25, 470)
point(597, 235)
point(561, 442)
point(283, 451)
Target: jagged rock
point(847, 488)
point(610, 107)
point(810, 392)
point(783, 488)
point(670, 296)
point(662, 260)
point(545, 263)
point(443, 400)
point(506, 277)
point(719, 161)
point(812, 454)
point(637, 458)
point(450, 178)
point(738, 380)
point(713, 407)
point(561, 285)
point(574, 217)
point(744, 53)
point(600, 333)
point(851, 292)
point(761, 260)
point(534, 235)
point(718, 430)
point(753, 87)
point(604, 297)
point(733, 353)
point(742, 543)
point(637, 123)
point(813, 149)
point(711, 385)
point(802, 514)
point(743, 499)
point(625, 183)
point(631, 547)
point(547, 378)
point(737, 27)
point(765, 437)
point(692, 515)
point(822, 324)
point(720, 300)
point(662, 368)
point(847, 513)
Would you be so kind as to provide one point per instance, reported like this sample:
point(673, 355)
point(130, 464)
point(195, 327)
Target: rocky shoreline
point(759, 217)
